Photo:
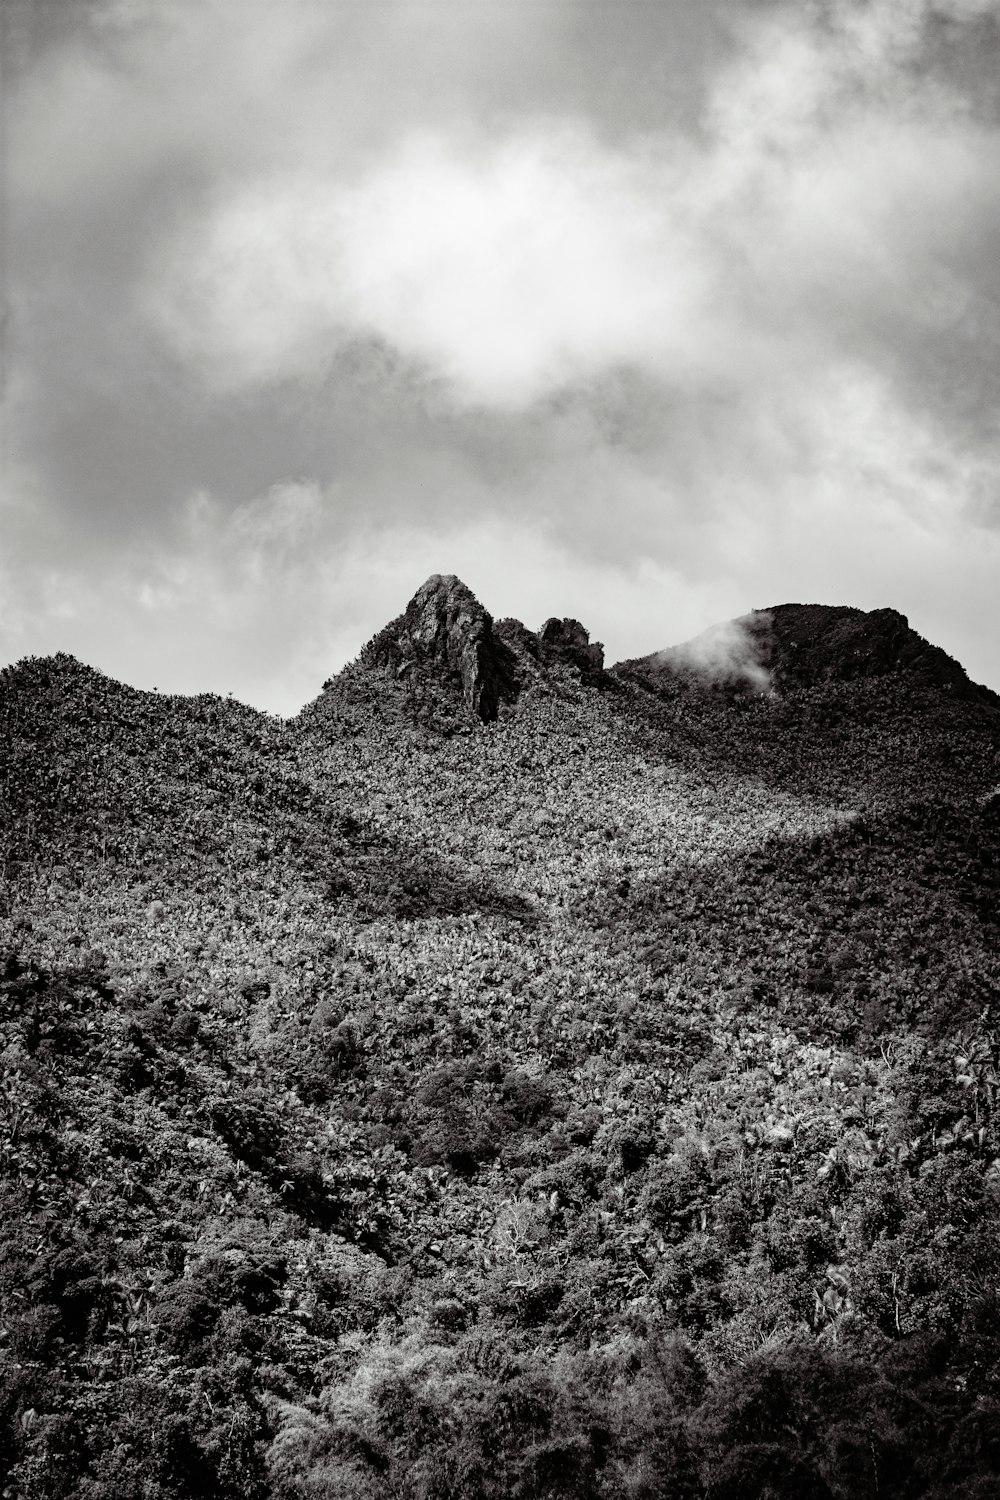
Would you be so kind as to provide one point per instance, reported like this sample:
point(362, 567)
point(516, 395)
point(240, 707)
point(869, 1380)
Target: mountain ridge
point(481, 664)
point(782, 648)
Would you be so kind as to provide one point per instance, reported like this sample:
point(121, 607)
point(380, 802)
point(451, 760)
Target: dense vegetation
point(584, 1084)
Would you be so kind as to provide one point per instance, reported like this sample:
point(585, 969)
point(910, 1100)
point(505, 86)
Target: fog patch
point(728, 654)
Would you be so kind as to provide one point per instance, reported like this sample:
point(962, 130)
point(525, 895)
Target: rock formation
point(445, 635)
point(569, 641)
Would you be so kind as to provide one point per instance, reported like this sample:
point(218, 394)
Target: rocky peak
point(443, 614)
point(446, 636)
point(569, 641)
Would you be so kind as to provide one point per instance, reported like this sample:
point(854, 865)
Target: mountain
point(513, 1076)
point(807, 645)
point(444, 662)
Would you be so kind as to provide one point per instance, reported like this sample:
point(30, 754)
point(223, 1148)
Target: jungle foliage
point(597, 1102)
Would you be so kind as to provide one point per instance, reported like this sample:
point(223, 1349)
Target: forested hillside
point(511, 1078)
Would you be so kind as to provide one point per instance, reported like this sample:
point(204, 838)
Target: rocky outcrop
point(445, 639)
point(444, 661)
point(568, 641)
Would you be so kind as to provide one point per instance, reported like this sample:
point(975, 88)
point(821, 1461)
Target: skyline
point(649, 316)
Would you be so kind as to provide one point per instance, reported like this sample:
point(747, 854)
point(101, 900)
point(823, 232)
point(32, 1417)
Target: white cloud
point(517, 264)
point(505, 270)
point(270, 599)
point(651, 380)
point(726, 651)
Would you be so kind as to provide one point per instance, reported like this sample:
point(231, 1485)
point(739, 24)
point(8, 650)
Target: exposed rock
point(446, 635)
point(569, 641)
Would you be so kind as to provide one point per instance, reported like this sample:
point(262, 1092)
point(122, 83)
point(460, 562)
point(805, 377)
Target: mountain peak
point(803, 646)
point(445, 635)
point(569, 641)
point(441, 594)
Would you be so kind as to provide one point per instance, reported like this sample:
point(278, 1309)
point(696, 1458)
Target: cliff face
point(441, 661)
point(446, 629)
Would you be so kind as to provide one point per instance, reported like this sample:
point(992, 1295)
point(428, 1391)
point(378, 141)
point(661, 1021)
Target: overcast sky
point(647, 313)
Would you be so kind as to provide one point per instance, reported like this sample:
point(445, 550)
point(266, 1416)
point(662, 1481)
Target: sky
point(646, 312)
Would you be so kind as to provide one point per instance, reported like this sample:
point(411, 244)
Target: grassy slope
point(401, 1112)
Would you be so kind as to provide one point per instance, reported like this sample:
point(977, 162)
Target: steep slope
point(510, 1078)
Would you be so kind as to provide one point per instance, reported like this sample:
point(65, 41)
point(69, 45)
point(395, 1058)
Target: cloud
point(268, 600)
point(507, 270)
point(509, 266)
point(726, 652)
point(703, 307)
